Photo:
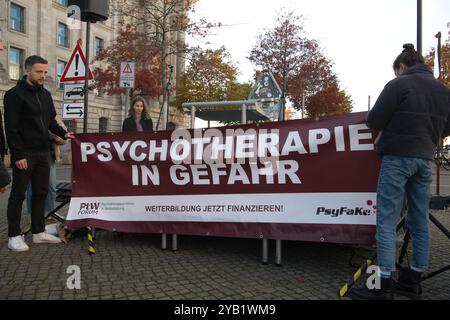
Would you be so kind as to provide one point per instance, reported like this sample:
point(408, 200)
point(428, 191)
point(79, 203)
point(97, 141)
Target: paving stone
point(134, 267)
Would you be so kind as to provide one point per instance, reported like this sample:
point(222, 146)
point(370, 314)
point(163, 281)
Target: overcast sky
point(361, 37)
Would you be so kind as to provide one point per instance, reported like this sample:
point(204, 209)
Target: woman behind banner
point(138, 117)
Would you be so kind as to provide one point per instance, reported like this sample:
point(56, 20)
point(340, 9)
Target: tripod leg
point(435, 273)
point(447, 233)
point(404, 247)
point(439, 225)
point(52, 213)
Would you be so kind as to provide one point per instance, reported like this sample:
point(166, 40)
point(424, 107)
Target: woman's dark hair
point(145, 114)
point(409, 57)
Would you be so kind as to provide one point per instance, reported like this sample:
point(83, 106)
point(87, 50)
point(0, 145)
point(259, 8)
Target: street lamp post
point(86, 78)
point(419, 26)
point(281, 115)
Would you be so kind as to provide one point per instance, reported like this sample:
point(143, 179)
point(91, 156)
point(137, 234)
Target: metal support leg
point(440, 226)
point(174, 242)
point(265, 250)
point(278, 253)
point(163, 241)
point(52, 213)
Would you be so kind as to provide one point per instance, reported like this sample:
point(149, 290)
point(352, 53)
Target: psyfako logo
point(368, 210)
point(89, 208)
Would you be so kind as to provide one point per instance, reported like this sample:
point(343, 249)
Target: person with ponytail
point(412, 114)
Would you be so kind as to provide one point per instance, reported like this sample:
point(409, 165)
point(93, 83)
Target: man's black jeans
point(38, 172)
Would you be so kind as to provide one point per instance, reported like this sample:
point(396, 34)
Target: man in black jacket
point(412, 114)
point(29, 115)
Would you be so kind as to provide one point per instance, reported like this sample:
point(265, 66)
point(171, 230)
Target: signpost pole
point(127, 77)
point(419, 26)
point(86, 78)
point(91, 231)
point(127, 101)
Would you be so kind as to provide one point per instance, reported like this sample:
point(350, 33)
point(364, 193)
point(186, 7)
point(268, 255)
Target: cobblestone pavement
point(133, 266)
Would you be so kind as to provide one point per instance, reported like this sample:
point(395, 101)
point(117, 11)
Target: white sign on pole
point(127, 73)
point(73, 91)
point(73, 111)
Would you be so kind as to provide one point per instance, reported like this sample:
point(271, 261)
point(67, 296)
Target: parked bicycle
point(444, 157)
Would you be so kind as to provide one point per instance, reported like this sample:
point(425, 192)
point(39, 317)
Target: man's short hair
point(32, 60)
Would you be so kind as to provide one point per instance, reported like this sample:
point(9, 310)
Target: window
point(63, 35)
point(15, 63)
point(61, 65)
point(102, 125)
point(98, 45)
point(64, 3)
point(17, 18)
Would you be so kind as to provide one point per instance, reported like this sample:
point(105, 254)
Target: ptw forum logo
point(89, 208)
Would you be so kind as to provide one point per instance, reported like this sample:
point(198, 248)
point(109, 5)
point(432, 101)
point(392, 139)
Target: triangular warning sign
point(76, 67)
point(127, 69)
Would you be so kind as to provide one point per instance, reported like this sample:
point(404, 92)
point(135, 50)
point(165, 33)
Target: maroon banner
point(311, 179)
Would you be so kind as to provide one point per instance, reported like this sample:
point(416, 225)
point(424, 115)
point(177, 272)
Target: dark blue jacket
point(412, 112)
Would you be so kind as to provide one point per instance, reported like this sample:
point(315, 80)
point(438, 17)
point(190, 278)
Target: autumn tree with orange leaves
point(129, 46)
point(445, 60)
point(329, 102)
point(164, 24)
point(210, 76)
point(298, 62)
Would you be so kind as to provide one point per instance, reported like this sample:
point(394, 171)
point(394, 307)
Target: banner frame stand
point(265, 241)
point(355, 211)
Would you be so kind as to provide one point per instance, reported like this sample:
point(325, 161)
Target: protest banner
point(311, 179)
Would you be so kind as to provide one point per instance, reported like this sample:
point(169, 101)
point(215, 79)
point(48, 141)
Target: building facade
point(41, 27)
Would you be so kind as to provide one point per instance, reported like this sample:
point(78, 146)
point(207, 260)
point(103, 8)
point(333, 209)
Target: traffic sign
point(127, 73)
point(126, 84)
point(266, 87)
point(73, 110)
point(268, 92)
point(76, 67)
point(73, 91)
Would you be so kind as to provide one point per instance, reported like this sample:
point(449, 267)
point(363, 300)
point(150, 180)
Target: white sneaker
point(17, 244)
point(44, 237)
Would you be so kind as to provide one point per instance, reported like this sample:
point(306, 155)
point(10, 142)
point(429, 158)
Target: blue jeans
point(400, 175)
point(51, 195)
